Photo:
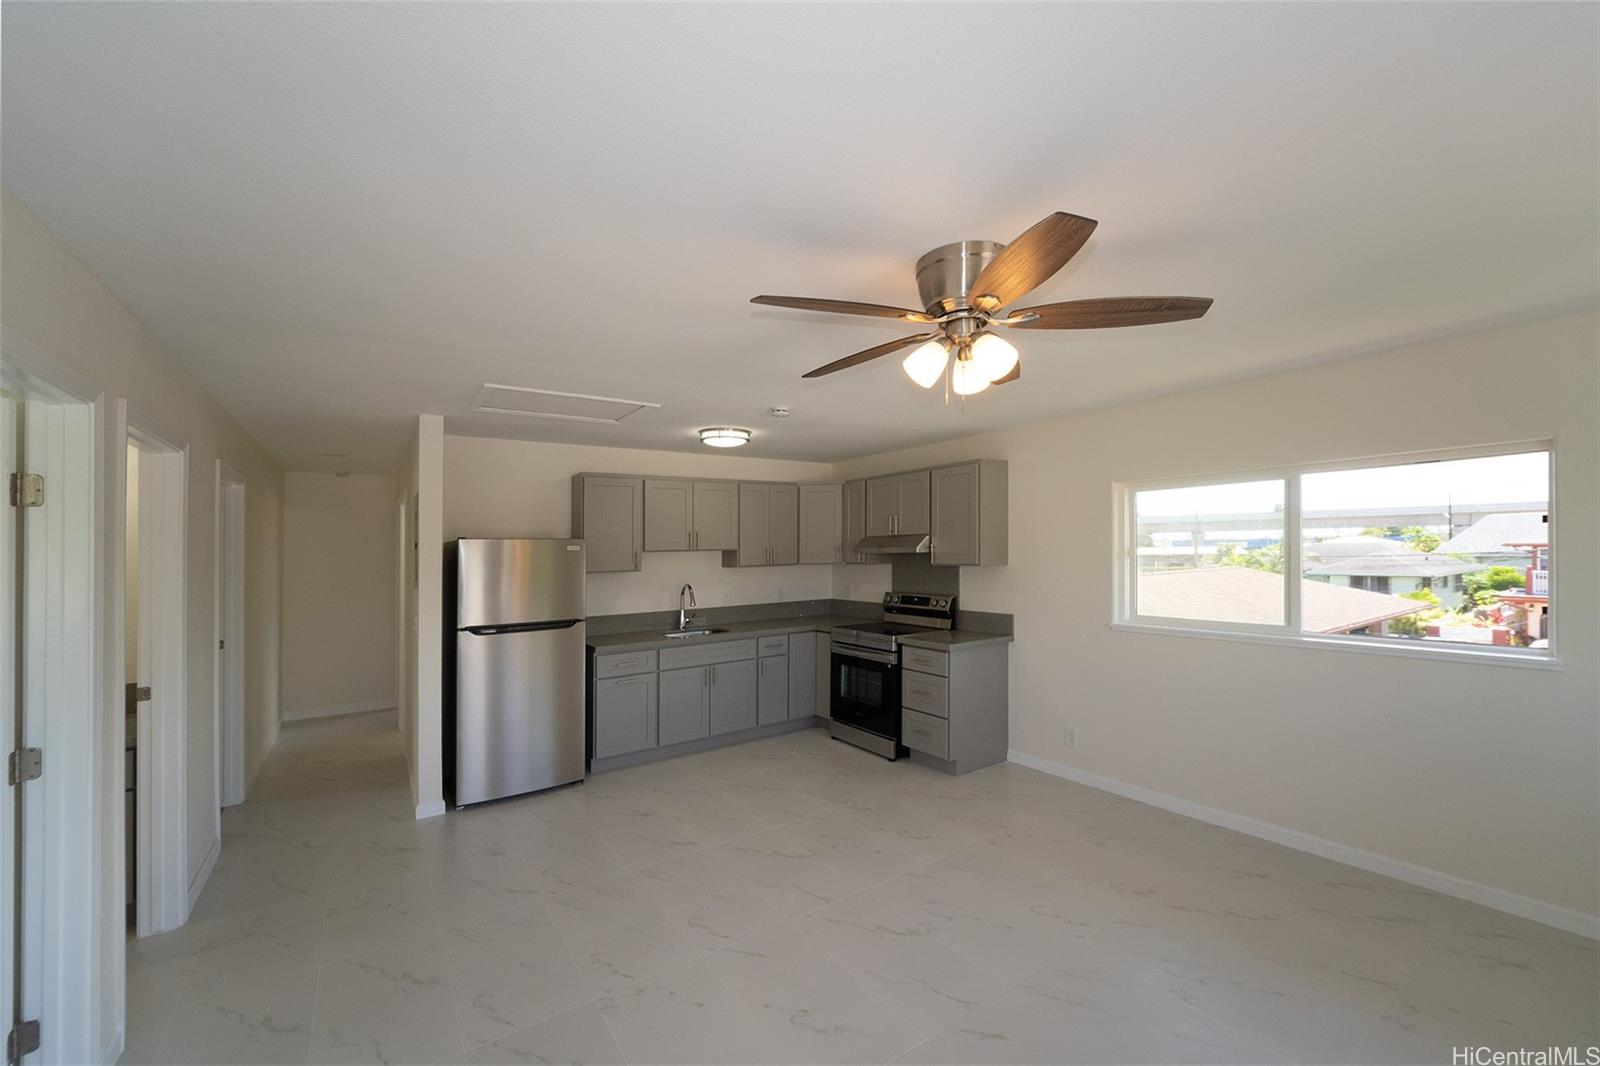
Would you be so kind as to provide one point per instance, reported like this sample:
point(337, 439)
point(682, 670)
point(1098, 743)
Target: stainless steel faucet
point(683, 611)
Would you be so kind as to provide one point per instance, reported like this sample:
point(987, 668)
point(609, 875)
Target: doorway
point(230, 647)
point(155, 694)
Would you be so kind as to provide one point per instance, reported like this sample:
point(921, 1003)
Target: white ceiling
point(338, 216)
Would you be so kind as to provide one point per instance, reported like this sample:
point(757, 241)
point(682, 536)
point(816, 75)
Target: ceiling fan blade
point(843, 307)
point(867, 355)
point(1013, 374)
point(1025, 263)
point(1114, 311)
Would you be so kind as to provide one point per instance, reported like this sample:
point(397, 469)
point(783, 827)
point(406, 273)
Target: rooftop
point(1248, 595)
point(1499, 533)
point(1352, 547)
point(1409, 564)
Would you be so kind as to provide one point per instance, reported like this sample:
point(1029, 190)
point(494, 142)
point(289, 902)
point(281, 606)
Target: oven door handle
point(851, 652)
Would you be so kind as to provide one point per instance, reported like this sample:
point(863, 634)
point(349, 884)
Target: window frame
point(1125, 615)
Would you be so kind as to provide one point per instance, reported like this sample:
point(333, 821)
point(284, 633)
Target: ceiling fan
point(965, 285)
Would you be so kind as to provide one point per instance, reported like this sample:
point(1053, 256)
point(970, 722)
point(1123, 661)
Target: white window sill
point(1466, 653)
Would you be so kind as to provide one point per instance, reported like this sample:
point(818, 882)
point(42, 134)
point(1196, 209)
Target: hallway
point(796, 900)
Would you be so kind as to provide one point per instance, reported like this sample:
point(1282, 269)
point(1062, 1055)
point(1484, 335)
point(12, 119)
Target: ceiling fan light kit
point(724, 437)
point(965, 285)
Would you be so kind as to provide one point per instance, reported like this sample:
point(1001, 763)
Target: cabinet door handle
point(630, 680)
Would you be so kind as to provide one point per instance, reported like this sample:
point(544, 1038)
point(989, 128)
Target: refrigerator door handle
point(520, 627)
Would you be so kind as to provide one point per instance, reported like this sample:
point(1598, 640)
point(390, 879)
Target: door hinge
point(221, 644)
point(25, 764)
point(27, 490)
point(23, 1039)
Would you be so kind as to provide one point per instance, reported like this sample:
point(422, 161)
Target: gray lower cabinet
point(802, 675)
point(772, 689)
point(685, 704)
point(954, 705)
point(624, 714)
point(733, 696)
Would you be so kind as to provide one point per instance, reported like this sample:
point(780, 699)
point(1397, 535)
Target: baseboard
point(198, 885)
point(431, 809)
point(1447, 884)
point(344, 708)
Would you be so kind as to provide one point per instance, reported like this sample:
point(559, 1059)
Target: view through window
point(1453, 551)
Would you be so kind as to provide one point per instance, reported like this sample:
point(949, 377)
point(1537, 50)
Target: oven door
point(865, 690)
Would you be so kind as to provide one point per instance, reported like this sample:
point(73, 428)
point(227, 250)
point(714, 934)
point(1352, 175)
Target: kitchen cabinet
point(685, 704)
point(769, 525)
point(608, 513)
point(953, 704)
point(772, 689)
point(624, 714)
point(854, 500)
point(802, 675)
point(682, 515)
point(733, 696)
point(821, 523)
point(969, 514)
point(899, 503)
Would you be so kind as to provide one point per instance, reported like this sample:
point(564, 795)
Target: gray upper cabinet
point(899, 503)
point(733, 696)
point(854, 496)
point(802, 675)
point(684, 701)
point(681, 515)
point(608, 513)
point(716, 515)
point(668, 515)
point(772, 689)
point(624, 714)
point(784, 530)
point(769, 525)
point(821, 523)
point(969, 511)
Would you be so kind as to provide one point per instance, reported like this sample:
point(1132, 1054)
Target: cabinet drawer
point(925, 660)
point(725, 651)
point(925, 733)
point(774, 645)
point(925, 692)
point(623, 663)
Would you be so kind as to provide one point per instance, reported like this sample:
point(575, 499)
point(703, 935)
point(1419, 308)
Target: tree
point(1480, 587)
point(1416, 625)
point(1421, 539)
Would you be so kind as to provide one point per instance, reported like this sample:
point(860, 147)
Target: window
point(1435, 553)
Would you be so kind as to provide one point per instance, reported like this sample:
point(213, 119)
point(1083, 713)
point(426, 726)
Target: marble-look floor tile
point(240, 1017)
point(784, 873)
point(508, 971)
point(579, 1037)
point(386, 1003)
point(615, 935)
point(684, 1015)
point(712, 905)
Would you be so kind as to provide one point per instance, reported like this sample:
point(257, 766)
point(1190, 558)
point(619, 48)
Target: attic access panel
point(547, 403)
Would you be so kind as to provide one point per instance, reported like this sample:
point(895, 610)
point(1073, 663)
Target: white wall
point(505, 488)
point(55, 304)
point(1485, 773)
point(339, 595)
point(130, 584)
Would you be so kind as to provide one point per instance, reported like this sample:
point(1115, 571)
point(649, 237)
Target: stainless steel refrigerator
point(515, 659)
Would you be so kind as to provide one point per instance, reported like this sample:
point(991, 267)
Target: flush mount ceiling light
point(964, 287)
point(724, 437)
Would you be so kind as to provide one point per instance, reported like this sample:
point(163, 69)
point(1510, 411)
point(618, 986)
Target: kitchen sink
point(704, 632)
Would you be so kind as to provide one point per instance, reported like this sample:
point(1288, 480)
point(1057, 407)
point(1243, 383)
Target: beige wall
point(339, 595)
point(504, 488)
point(1487, 773)
point(53, 302)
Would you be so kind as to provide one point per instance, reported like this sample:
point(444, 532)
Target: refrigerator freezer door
point(503, 582)
point(519, 711)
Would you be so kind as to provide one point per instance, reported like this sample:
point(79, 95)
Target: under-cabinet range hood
point(895, 544)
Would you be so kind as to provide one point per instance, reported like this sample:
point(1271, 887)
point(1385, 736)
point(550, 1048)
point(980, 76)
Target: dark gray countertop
point(771, 627)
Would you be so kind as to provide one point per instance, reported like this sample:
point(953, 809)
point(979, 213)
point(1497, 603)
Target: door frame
point(161, 879)
point(228, 678)
point(71, 686)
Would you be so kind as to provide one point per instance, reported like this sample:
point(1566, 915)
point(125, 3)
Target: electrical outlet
point(1070, 735)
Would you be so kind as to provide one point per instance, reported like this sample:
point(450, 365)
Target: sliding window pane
point(1450, 551)
point(1211, 553)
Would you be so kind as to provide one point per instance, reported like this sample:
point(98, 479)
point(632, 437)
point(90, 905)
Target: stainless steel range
point(864, 692)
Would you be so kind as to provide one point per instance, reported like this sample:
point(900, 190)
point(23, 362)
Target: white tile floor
point(795, 900)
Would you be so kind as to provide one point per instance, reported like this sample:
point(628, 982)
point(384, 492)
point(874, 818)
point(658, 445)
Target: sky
point(1493, 479)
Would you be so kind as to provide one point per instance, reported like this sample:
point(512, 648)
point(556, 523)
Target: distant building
point(1533, 598)
point(1499, 539)
point(1399, 573)
point(1324, 551)
point(1243, 594)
